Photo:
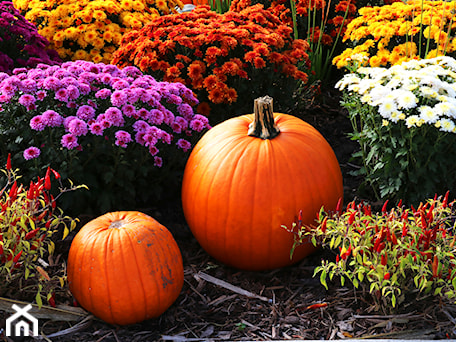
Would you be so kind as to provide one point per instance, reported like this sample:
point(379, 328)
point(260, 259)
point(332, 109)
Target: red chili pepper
point(400, 203)
point(56, 174)
point(51, 300)
point(47, 179)
point(435, 266)
point(380, 247)
point(384, 206)
point(351, 219)
point(387, 276)
point(393, 239)
point(384, 260)
point(317, 306)
point(445, 199)
point(367, 210)
point(8, 162)
point(31, 234)
point(16, 258)
point(13, 191)
point(339, 206)
point(323, 224)
point(404, 229)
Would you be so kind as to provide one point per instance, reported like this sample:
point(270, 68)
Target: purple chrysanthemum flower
point(52, 83)
point(87, 77)
point(158, 161)
point(176, 127)
point(27, 100)
point(168, 117)
point(103, 93)
point(67, 121)
point(69, 141)
point(120, 84)
point(156, 116)
point(78, 127)
point(129, 110)
point(84, 88)
point(153, 150)
point(140, 126)
point(37, 123)
point(181, 121)
point(114, 116)
point(184, 144)
point(166, 137)
point(143, 113)
point(85, 113)
point(174, 99)
point(149, 139)
point(52, 118)
point(197, 125)
point(28, 86)
point(61, 95)
point(96, 128)
point(185, 110)
point(122, 138)
point(31, 153)
point(73, 92)
point(119, 98)
point(41, 94)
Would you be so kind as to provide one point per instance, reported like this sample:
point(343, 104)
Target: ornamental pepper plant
point(31, 225)
point(20, 43)
point(91, 29)
point(227, 59)
point(390, 34)
point(123, 134)
point(391, 254)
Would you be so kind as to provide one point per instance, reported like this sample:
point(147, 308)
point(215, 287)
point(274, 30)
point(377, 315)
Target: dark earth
point(282, 304)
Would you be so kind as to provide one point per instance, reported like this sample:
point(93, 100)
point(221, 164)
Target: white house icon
point(21, 325)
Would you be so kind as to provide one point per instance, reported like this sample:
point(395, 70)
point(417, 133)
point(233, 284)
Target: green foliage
point(390, 253)
point(30, 227)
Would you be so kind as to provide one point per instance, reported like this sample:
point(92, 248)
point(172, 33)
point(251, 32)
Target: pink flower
point(184, 144)
point(37, 123)
point(69, 141)
point(122, 138)
point(78, 127)
point(96, 128)
point(85, 112)
point(27, 100)
point(52, 118)
point(31, 153)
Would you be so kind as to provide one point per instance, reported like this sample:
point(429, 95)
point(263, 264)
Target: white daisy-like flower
point(446, 125)
point(406, 99)
point(387, 107)
point(428, 114)
point(347, 80)
point(428, 92)
point(412, 120)
point(445, 109)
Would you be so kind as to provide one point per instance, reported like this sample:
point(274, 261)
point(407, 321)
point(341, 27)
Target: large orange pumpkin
point(241, 185)
point(125, 267)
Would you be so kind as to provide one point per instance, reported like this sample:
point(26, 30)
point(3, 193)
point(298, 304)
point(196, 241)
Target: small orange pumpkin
point(125, 267)
point(251, 174)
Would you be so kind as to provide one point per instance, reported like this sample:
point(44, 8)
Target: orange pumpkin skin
point(239, 190)
point(125, 267)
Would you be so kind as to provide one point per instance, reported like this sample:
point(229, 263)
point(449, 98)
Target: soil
point(287, 303)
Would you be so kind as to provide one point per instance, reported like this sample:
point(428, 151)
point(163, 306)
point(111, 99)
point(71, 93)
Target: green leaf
point(323, 279)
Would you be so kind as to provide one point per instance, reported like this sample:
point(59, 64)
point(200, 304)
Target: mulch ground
point(287, 303)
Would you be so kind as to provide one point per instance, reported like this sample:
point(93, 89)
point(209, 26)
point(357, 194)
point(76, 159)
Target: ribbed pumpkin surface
point(125, 267)
point(238, 190)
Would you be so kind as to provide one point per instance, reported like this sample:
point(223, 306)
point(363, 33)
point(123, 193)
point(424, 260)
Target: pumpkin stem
point(263, 125)
point(116, 224)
